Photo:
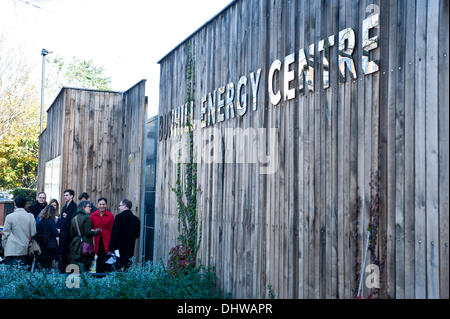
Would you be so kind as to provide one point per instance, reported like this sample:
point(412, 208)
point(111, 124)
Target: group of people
point(62, 236)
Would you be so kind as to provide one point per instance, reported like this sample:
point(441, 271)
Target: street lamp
point(44, 52)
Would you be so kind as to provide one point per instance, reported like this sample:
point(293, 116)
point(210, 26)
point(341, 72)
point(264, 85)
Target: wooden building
point(94, 143)
point(357, 92)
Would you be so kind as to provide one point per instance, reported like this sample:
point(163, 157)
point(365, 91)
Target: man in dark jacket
point(38, 205)
point(126, 229)
point(64, 222)
point(85, 196)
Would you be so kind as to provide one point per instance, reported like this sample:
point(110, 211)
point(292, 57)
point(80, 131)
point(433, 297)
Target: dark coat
point(45, 232)
point(36, 208)
point(84, 224)
point(64, 227)
point(125, 231)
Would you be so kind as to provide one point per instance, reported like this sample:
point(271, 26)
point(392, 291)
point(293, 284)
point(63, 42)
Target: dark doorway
point(150, 155)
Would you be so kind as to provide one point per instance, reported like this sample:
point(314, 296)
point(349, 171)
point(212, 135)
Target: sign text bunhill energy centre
point(230, 100)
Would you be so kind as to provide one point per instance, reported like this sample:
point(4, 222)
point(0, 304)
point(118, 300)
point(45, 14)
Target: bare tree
point(18, 91)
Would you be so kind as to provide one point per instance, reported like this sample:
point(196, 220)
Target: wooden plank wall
point(53, 133)
point(129, 180)
point(133, 120)
point(91, 119)
point(102, 143)
point(302, 230)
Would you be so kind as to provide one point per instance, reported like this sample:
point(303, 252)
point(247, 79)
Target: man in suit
point(67, 213)
point(19, 227)
point(126, 229)
point(38, 205)
point(85, 196)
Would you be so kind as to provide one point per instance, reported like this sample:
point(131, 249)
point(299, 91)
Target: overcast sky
point(126, 37)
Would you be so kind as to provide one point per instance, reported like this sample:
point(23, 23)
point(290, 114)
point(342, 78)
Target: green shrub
point(181, 259)
point(148, 281)
point(29, 194)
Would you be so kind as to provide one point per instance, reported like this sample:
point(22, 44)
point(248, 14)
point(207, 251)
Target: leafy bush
point(181, 260)
point(148, 281)
point(29, 194)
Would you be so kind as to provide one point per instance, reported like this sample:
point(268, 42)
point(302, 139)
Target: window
point(52, 184)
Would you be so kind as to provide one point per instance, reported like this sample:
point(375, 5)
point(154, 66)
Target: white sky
point(126, 37)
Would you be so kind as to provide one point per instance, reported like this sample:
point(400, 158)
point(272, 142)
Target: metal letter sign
point(289, 94)
point(229, 98)
point(255, 86)
point(369, 44)
point(211, 114)
point(203, 111)
point(345, 53)
point(241, 103)
point(275, 98)
point(306, 66)
point(220, 104)
point(235, 98)
point(324, 45)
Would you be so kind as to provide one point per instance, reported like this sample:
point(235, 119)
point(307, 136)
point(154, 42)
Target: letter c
point(274, 98)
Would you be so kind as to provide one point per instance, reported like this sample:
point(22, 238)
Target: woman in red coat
point(104, 220)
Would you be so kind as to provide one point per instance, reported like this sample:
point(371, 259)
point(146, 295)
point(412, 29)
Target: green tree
point(19, 150)
point(20, 107)
point(77, 73)
point(19, 119)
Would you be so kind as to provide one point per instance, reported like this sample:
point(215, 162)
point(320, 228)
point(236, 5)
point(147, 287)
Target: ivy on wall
point(373, 247)
point(189, 226)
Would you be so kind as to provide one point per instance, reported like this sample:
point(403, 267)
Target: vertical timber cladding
point(100, 137)
point(50, 140)
point(301, 229)
point(91, 145)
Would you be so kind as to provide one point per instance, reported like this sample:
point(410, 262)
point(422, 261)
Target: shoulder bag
point(33, 248)
point(87, 249)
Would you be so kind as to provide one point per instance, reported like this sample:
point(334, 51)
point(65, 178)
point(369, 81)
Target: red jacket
point(104, 222)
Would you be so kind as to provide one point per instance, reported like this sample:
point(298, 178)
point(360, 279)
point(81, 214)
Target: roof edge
point(90, 90)
point(141, 81)
point(196, 31)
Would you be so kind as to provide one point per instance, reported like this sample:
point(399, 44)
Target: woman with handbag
point(82, 243)
point(46, 234)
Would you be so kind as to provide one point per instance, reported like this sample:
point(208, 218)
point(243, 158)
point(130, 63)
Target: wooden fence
point(374, 149)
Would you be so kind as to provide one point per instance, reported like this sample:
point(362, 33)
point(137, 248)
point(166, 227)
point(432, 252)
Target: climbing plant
point(357, 264)
point(189, 226)
point(372, 228)
point(374, 221)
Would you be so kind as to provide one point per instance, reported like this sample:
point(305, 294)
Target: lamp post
point(44, 52)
